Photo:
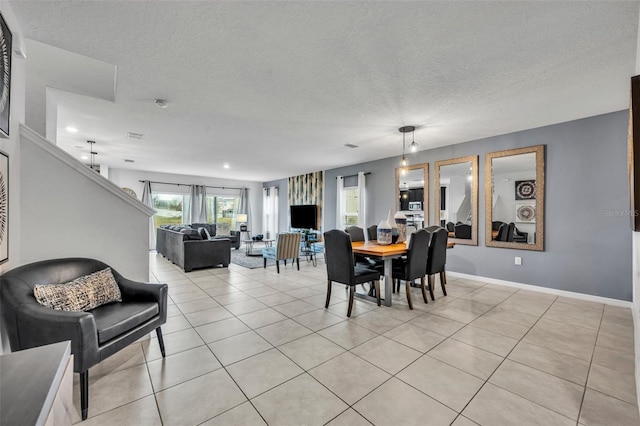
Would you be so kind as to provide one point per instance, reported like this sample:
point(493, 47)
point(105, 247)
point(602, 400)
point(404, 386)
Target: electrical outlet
point(518, 260)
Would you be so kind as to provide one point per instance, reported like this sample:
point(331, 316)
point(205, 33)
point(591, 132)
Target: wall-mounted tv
point(304, 216)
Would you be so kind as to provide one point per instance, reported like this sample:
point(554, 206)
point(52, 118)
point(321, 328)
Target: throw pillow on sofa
point(223, 229)
point(82, 294)
point(204, 233)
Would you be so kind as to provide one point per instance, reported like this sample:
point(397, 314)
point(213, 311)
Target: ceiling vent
point(128, 161)
point(350, 145)
point(133, 135)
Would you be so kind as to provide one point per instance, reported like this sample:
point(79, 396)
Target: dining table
point(387, 253)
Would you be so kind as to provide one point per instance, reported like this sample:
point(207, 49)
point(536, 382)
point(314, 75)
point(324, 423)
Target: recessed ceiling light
point(71, 129)
point(226, 165)
point(161, 103)
point(84, 157)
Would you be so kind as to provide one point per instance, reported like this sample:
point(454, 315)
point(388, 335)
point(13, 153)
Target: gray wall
point(587, 251)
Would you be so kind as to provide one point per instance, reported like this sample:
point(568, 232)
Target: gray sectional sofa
point(185, 247)
point(211, 228)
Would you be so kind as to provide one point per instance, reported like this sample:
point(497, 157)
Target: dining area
point(355, 261)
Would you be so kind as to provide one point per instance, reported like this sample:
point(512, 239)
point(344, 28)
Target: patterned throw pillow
point(82, 294)
point(223, 229)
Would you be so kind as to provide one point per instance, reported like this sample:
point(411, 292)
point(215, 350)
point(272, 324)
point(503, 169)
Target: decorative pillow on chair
point(82, 294)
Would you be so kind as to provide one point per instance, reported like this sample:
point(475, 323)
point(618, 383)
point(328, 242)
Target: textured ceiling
point(277, 88)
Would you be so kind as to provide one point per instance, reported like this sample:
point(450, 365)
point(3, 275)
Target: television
point(304, 216)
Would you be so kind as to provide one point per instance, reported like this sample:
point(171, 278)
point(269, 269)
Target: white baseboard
point(573, 295)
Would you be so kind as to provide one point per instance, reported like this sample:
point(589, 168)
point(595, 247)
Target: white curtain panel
point(340, 203)
point(244, 205)
point(147, 200)
point(270, 211)
point(362, 201)
point(197, 204)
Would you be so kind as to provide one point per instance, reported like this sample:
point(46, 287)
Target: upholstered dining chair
point(338, 255)
point(432, 228)
point(95, 334)
point(372, 232)
point(413, 266)
point(357, 234)
point(287, 247)
point(437, 259)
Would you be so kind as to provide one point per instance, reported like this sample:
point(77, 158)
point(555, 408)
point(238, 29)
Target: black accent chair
point(463, 231)
point(341, 268)
point(519, 236)
point(437, 259)
point(413, 266)
point(95, 335)
point(372, 231)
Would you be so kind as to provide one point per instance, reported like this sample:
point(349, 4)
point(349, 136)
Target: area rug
point(239, 258)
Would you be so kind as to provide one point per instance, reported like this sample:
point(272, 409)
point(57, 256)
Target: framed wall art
point(526, 212)
point(525, 190)
point(5, 77)
point(4, 207)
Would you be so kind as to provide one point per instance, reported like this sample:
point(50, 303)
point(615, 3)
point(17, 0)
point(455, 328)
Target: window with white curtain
point(270, 212)
point(351, 201)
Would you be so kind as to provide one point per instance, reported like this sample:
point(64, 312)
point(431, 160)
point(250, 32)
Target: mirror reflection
point(517, 199)
point(412, 194)
point(457, 198)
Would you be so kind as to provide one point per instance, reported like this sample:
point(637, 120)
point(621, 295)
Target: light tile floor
point(249, 347)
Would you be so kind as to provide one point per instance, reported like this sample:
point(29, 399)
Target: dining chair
point(432, 228)
point(372, 232)
point(341, 268)
point(413, 266)
point(436, 259)
point(357, 234)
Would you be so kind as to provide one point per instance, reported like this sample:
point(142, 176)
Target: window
point(222, 209)
point(351, 206)
point(170, 208)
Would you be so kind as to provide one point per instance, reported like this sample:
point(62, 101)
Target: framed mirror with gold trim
point(412, 194)
point(456, 198)
point(514, 198)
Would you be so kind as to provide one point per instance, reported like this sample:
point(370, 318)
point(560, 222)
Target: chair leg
point(298, 263)
point(278, 266)
point(432, 282)
point(285, 262)
point(376, 283)
point(326, 304)
point(424, 290)
point(352, 291)
point(160, 341)
point(408, 285)
point(265, 262)
point(443, 281)
point(84, 394)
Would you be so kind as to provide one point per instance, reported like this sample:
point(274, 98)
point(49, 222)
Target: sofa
point(234, 236)
point(185, 247)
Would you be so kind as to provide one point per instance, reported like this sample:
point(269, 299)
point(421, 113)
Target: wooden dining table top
point(372, 248)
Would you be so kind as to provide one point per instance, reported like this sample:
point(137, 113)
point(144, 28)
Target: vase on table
point(385, 230)
point(401, 222)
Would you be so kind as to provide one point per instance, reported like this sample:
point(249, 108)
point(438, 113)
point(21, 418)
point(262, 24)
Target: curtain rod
point(186, 184)
point(366, 173)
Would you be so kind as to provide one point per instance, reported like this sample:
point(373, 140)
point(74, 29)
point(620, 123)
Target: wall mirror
point(456, 198)
point(412, 193)
point(514, 198)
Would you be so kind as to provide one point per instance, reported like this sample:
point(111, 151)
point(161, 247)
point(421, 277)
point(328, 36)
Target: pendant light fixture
point(414, 146)
point(93, 154)
point(404, 162)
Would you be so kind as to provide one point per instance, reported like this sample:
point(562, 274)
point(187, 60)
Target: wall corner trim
point(564, 293)
point(74, 164)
